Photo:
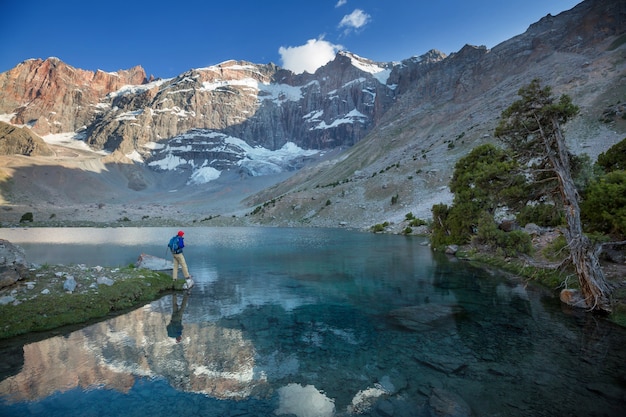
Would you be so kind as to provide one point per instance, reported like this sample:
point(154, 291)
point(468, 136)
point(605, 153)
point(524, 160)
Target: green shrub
point(603, 208)
point(417, 222)
point(441, 234)
point(379, 227)
point(614, 158)
point(504, 243)
point(545, 215)
point(556, 250)
point(407, 231)
point(27, 217)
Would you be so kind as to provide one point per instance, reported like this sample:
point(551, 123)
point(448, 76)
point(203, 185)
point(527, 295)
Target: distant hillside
point(405, 163)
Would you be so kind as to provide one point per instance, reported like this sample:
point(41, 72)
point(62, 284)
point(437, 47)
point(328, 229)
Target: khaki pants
point(179, 259)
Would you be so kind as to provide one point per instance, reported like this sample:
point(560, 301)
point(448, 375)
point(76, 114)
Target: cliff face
point(261, 105)
point(52, 97)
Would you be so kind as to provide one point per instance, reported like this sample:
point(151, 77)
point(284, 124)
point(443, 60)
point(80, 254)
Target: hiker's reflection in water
point(175, 326)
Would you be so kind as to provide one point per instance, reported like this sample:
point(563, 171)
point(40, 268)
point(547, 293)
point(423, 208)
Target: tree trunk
point(593, 285)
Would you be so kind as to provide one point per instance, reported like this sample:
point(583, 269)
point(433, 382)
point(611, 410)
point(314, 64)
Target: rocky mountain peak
point(52, 97)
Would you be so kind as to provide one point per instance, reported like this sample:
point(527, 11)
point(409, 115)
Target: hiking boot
point(188, 283)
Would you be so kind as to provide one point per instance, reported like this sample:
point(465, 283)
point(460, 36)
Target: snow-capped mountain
point(219, 117)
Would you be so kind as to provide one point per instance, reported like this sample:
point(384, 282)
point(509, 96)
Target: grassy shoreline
point(41, 304)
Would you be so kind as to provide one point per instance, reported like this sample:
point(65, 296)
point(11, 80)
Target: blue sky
point(168, 38)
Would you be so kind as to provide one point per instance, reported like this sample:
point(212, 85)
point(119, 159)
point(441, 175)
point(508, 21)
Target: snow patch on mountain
point(70, 140)
point(264, 91)
point(351, 117)
point(380, 73)
point(204, 175)
point(137, 89)
point(253, 160)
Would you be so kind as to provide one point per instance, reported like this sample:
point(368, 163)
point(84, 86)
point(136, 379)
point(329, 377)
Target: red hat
point(180, 233)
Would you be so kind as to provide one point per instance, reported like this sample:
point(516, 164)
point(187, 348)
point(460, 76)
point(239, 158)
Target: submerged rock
point(425, 317)
point(444, 403)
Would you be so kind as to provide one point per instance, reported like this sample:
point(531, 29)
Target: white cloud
point(341, 3)
point(308, 57)
point(355, 20)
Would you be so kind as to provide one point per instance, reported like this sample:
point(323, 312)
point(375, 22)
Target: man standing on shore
point(176, 245)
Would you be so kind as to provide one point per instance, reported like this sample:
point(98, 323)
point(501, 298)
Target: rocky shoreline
point(36, 298)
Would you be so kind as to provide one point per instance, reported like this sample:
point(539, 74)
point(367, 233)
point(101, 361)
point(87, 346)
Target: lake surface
point(313, 323)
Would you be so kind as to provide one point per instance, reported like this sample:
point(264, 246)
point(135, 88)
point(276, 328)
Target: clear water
point(314, 322)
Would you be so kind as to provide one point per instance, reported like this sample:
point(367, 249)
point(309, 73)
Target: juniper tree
point(531, 127)
point(483, 180)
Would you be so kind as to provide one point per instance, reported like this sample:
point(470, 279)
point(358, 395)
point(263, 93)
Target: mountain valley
point(357, 143)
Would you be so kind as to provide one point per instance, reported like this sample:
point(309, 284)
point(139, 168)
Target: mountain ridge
point(376, 140)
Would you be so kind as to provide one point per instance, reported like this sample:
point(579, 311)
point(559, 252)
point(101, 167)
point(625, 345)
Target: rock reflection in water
point(112, 354)
point(294, 399)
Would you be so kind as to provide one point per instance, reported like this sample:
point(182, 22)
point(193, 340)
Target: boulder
point(105, 281)
point(452, 249)
point(153, 263)
point(509, 225)
point(6, 299)
point(573, 298)
point(13, 266)
point(533, 230)
point(70, 284)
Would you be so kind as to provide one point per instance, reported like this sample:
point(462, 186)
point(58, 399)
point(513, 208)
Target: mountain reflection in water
point(321, 323)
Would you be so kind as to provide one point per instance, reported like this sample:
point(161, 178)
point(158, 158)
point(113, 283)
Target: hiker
point(175, 326)
point(176, 245)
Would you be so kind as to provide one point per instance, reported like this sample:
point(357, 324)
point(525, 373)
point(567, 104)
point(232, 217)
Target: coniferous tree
point(484, 180)
point(531, 127)
point(614, 159)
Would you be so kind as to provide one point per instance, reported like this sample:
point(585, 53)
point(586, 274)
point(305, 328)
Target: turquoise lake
point(313, 323)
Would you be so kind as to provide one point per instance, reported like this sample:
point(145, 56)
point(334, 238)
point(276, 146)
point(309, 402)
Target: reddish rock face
point(53, 97)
